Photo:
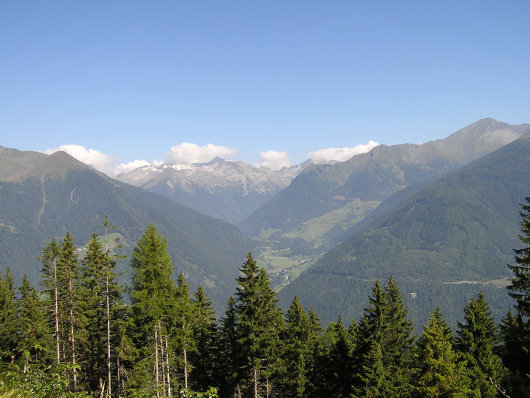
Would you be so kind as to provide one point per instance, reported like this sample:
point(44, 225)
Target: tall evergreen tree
point(476, 338)
point(94, 310)
point(183, 328)
point(69, 295)
point(36, 338)
point(205, 357)
point(384, 345)
point(519, 289)
point(9, 322)
point(228, 352)
point(153, 306)
point(298, 354)
point(316, 347)
point(259, 321)
point(336, 365)
point(52, 287)
point(439, 371)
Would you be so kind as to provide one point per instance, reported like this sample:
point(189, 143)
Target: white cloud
point(341, 154)
point(126, 167)
point(274, 160)
point(91, 157)
point(193, 153)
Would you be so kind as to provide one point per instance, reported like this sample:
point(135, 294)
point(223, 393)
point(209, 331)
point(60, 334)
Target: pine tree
point(50, 282)
point(397, 343)
point(316, 350)
point(520, 285)
point(153, 306)
point(259, 321)
point(476, 338)
point(298, 351)
point(183, 325)
point(439, 371)
point(9, 322)
point(337, 366)
point(205, 358)
point(94, 311)
point(68, 277)
point(384, 348)
point(228, 352)
point(513, 338)
point(519, 289)
point(36, 337)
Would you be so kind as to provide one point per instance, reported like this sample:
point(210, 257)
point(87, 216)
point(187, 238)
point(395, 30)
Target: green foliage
point(439, 370)
point(476, 339)
point(9, 323)
point(258, 325)
point(205, 358)
point(459, 230)
point(516, 328)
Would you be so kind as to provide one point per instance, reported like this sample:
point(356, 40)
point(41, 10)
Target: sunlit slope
point(451, 238)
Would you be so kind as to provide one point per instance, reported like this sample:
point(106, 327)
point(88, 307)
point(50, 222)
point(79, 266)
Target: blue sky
point(130, 80)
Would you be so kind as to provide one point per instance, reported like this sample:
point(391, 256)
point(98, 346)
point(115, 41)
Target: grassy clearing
point(317, 229)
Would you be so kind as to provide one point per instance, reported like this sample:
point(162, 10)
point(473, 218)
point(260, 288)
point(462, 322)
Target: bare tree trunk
point(162, 358)
point(256, 383)
point(185, 370)
point(156, 363)
point(56, 311)
point(109, 387)
point(118, 376)
point(168, 375)
point(72, 336)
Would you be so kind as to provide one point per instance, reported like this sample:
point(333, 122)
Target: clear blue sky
point(132, 79)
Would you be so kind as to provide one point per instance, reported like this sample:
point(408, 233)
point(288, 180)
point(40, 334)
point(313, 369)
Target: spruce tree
point(338, 363)
point(152, 306)
point(52, 287)
point(69, 296)
point(94, 311)
point(230, 370)
point(476, 339)
point(297, 351)
point(439, 371)
point(183, 328)
point(517, 356)
point(36, 338)
point(205, 357)
point(9, 322)
point(316, 349)
point(259, 321)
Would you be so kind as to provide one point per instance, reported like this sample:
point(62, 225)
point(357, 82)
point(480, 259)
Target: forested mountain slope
point(442, 244)
point(44, 196)
point(375, 175)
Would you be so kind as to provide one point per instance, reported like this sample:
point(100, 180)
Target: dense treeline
point(77, 337)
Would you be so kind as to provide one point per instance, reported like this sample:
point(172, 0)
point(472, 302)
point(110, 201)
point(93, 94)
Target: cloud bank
point(91, 157)
point(341, 154)
point(193, 153)
point(274, 160)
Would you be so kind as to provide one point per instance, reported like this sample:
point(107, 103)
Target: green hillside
point(375, 175)
point(443, 243)
point(46, 196)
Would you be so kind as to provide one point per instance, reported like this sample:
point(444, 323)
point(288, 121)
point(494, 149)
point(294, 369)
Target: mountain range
point(44, 196)
point(442, 244)
point(220, 188)
point(441, 217)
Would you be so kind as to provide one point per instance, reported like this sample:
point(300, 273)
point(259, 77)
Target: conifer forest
point(81, 333)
